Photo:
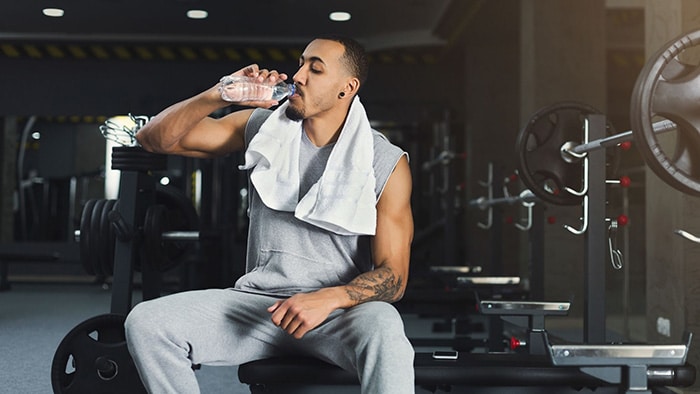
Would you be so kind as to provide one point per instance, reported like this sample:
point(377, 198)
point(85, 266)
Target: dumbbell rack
point(137, 191)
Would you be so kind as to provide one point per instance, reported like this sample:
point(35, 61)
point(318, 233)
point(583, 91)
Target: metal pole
point(594, 255)
point(133, 190)
point(536, 235)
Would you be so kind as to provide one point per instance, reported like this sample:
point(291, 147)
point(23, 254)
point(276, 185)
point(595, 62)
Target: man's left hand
point(302, 312)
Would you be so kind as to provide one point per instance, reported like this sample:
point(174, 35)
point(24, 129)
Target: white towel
point(343, 200)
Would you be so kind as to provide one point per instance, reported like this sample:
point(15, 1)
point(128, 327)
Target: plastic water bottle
point(239, 89)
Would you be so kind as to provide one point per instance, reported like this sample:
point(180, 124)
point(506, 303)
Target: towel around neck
point(343, 200)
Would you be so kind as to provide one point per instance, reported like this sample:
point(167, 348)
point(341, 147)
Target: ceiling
point(123, 46)
point(378, 24)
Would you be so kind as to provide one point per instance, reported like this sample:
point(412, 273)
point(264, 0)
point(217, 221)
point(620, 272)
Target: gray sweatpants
point(167, 335)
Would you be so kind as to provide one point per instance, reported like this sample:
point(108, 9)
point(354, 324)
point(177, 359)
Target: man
point(321, 276)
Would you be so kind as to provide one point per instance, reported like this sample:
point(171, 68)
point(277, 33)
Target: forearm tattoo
point(380, 284)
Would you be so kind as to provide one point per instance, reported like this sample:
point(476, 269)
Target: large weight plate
point(173, 212)
point(541, 165)
point(669, 87)
point(107, 239)
point(93, 358)
point(86, 237)
point(154, 250)
point(96, 236)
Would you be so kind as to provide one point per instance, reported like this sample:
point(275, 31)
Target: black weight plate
point(669, 88)
point(98, 341)
point(97, 244)
point(541, 165)
point(180, 216)
point(154, 251)
point(107, 239)
point(86, 237)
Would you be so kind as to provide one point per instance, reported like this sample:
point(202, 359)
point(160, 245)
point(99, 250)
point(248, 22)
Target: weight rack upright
point(137, 191)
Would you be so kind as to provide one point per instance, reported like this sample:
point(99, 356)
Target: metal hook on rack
point(567, 152)
point(584, 218)
point(489, 185)
point(569, 155)
point(527, 201)
point(616, 257)
point(690, 237)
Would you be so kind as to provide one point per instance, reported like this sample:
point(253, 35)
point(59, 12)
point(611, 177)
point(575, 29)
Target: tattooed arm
point(391, 248)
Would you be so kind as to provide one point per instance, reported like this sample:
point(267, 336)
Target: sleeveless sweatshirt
point(286, 255)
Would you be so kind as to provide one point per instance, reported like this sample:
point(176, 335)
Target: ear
point(351, 87)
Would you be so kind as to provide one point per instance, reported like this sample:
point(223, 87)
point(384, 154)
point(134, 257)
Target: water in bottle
point(240, 89)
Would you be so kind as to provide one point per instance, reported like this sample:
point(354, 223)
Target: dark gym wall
point(68, 86)
point(491, 108)
point(93, 87)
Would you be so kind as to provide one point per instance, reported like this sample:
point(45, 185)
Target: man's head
point(331, 71)
point(355, 58)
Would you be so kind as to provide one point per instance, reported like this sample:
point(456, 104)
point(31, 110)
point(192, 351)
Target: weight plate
point(176, 213)
point(541, 165)
point(154, 251)
point(93, 358)
point(107, 239)
point(97, 243)
point(668, 87)
point(86, 237)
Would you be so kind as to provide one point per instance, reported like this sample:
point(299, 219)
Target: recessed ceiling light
point(197, 14)
point(53, 12)
point(339, 16)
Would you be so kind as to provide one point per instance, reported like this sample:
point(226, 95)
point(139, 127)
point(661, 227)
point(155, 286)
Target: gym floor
point(35, 317)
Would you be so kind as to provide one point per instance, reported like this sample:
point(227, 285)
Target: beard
point(294, 114)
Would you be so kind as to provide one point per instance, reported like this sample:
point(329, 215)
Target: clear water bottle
point(240, 89)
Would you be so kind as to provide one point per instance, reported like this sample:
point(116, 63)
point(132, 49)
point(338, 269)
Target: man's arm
point(391, 246)
point(391, 249)
point(185, 128)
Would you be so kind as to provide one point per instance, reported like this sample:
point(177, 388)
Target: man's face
point(320, 78)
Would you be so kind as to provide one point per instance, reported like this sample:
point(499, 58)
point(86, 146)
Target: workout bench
point(560, 368)
point(282, 375)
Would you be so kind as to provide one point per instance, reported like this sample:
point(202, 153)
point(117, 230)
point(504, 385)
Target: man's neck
point(324, 130)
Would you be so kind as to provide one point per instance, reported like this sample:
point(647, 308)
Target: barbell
point(524, 197)
point(665, 98)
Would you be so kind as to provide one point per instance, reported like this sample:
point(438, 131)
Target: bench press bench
point(281, 375)
point(628, 368)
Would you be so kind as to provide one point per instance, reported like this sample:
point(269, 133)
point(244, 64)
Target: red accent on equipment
point(625, 181)
point(622, 220)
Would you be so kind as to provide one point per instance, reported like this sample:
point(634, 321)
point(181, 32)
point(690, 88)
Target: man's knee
point(380, 315)
point(382, 324)
point(140, 322)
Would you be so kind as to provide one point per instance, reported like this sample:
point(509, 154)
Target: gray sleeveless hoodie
point(286, 255)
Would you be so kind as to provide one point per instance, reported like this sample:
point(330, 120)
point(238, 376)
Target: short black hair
point(355, 57)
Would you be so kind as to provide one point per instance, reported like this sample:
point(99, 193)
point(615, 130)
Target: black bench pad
point(471, 369)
